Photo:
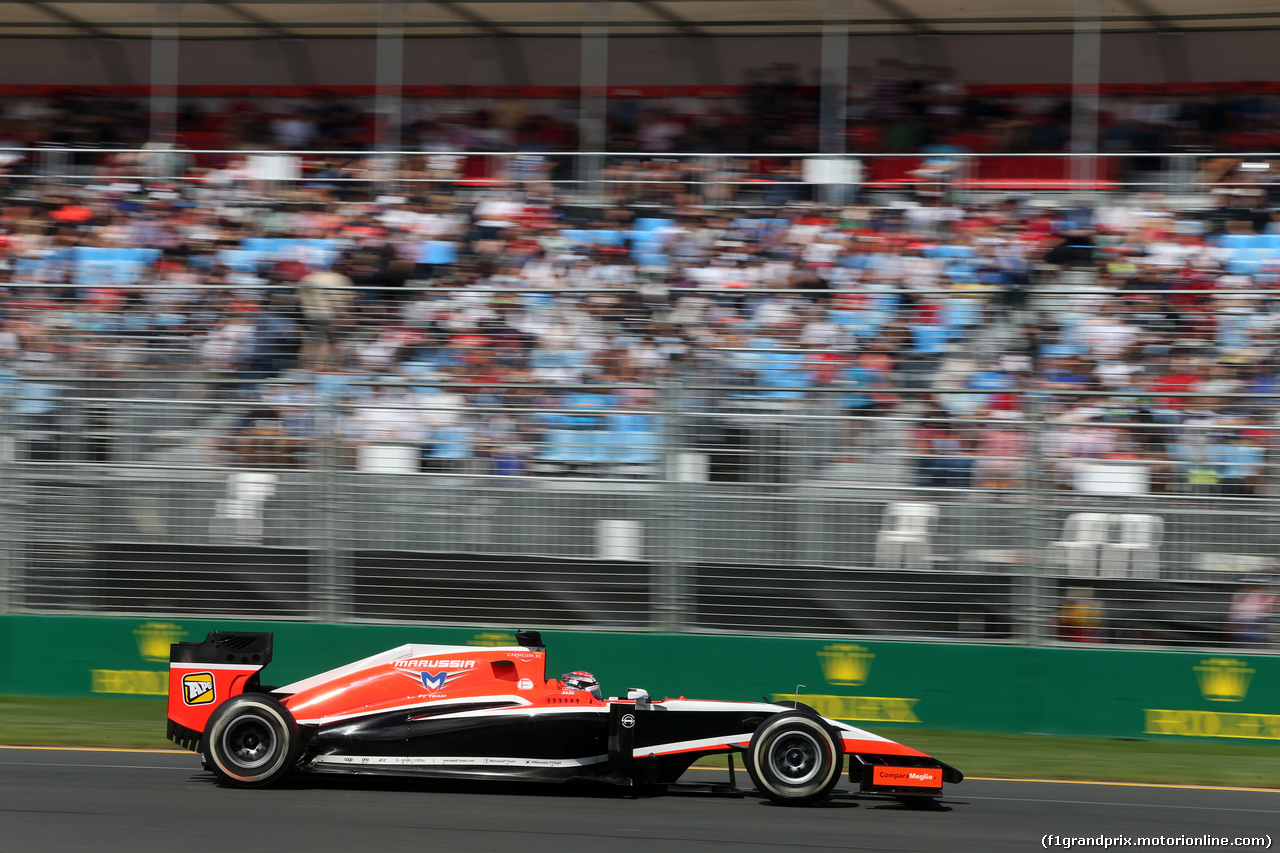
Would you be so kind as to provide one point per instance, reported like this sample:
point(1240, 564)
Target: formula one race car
point(466, 712)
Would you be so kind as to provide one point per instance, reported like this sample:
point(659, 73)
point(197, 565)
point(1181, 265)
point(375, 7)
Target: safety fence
point(660, 180)
point(686, 505)
point(883, 426)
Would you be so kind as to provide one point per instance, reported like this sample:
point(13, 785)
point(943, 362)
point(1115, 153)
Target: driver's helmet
point(581, 681)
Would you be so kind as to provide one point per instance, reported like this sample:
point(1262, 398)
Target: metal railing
point(689, 503)
point(181, 446)
point(657, 179)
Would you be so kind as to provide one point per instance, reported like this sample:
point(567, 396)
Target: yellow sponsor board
point(492, 638)
point(845, 664)
point(1224, 679)
point(154, 639)
point(879, 709)
point(135, 682)
point(1212, 724)
point(849, 665)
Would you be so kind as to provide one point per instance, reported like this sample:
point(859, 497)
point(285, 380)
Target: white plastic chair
point(905, 540)
point(238, 517)
point(1079, 551)
point(1136, 554)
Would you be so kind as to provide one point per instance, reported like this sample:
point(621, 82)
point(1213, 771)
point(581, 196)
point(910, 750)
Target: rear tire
point(794, 759)
point(251, 740)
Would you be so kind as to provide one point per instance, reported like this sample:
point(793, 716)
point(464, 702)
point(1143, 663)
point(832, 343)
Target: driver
point(582, 681)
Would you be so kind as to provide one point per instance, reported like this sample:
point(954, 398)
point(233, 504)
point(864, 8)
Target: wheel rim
point(796, 758)
point(249, 742)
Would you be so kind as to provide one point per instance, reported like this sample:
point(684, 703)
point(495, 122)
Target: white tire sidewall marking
point(272, 718)
point(821, 737)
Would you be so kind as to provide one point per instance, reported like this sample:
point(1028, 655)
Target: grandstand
point(461, 356)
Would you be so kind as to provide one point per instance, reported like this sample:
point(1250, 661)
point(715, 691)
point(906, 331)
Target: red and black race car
point(466, 712)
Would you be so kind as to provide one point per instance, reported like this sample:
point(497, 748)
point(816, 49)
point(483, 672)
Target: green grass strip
point(140, 723)
point(137, 723)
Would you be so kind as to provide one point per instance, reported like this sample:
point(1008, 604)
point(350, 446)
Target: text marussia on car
point(490, 713)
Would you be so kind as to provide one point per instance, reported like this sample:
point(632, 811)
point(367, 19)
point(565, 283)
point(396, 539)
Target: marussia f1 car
point(466, 712)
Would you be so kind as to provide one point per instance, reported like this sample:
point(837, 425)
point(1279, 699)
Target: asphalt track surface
point(109, 801)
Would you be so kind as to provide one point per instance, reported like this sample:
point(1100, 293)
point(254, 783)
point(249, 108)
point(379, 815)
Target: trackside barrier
point(1170, 695)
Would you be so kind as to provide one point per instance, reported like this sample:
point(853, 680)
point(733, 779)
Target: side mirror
point(641, 697)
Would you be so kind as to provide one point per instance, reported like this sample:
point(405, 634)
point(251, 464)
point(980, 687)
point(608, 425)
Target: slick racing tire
point(251, 740)
point(794, 759)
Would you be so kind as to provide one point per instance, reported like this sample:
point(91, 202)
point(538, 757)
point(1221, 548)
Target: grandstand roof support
point(593, 80)
point(695, 44)
point(341, 19)
point(1168, 36)
point(834, 92)
point(506, 49)
point(389, 75)
point(115, 67)
point(835, 76)
point(165, 48)
point(289, 44)
point(78, 24)
point(1086, 60)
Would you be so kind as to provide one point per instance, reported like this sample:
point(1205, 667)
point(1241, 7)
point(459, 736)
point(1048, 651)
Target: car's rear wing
point(204, 675)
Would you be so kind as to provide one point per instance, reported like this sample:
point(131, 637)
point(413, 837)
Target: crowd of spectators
point(895, 109)
point(505, 330)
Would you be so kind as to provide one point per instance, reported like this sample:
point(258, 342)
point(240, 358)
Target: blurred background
point(823, 319)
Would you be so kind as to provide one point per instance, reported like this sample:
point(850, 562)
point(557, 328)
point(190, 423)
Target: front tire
point(794, 759)
point(251, 740)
